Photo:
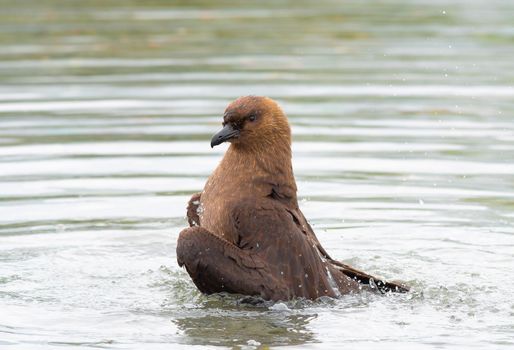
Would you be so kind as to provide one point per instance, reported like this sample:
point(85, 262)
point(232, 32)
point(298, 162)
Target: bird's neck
point(262, 165)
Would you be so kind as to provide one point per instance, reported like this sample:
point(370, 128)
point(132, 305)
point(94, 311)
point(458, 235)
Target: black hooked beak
point(225, 134)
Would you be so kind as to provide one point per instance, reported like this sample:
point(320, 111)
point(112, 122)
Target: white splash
point(332, 283)
point(279, 307)
point(331, 280)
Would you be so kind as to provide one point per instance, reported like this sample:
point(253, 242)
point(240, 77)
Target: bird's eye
point(252, 118)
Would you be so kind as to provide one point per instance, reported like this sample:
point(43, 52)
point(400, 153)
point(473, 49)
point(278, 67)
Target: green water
point(403, 128)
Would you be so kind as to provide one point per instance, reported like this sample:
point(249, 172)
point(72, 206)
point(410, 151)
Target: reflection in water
point(237, 328)
point(225, 319)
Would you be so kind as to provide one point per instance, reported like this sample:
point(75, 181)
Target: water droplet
point(252, 342)
point(280, 307)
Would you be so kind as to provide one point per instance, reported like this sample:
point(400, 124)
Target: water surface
point(403, 123)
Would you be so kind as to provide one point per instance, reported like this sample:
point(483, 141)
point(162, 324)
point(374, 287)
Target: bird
point(247, 234)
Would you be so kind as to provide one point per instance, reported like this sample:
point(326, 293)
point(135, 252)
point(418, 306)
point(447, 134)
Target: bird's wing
point(192, 210)
point(269, 230)
point(216, 265)
point(285, 195)
point(358, 275)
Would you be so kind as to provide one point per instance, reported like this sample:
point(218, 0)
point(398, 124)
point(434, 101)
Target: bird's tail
point(372, 281)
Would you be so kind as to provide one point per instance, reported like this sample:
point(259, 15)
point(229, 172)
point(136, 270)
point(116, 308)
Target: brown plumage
point(247, 234)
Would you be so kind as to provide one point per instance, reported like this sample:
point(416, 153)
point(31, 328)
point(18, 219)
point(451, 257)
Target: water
point(403, 122)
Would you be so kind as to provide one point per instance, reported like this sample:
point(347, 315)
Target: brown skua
point(247, 234)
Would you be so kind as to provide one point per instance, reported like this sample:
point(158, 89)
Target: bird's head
point(253, 122)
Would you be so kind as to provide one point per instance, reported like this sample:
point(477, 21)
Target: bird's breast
point(216, 203)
